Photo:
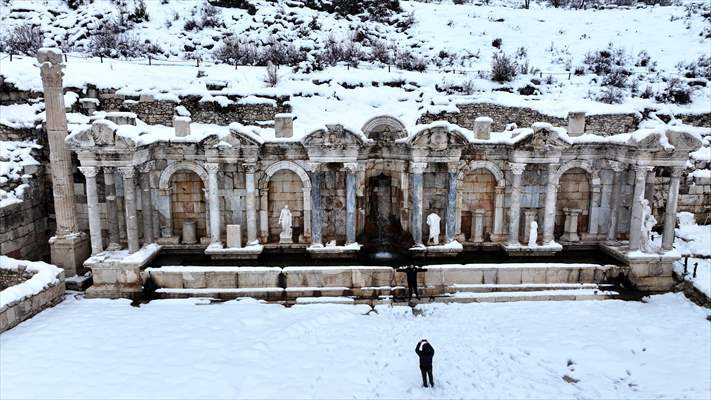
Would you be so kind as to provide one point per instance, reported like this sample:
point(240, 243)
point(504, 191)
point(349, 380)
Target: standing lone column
point(251, 201)
point(515, 206)
point(640, 181)
point(549, 208)
point(417, 169)
point(670, 211)
point(617, 169)
point(499, 212)
point(316, 205)
point(146, 202)
point(69, 247)
point(451, 224)
point(129, 190)
point(92, 202)
point(351, 170)
point(214, 202)
point(112, 219)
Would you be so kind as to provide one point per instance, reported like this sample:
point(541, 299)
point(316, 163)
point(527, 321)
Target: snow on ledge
point(44, 276)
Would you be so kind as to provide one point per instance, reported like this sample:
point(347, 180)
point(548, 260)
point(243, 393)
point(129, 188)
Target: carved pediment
point(438, 139)
point(683, 141)
point(333, 137)
point(543, 138)
point(384, 129)
point(234, 140)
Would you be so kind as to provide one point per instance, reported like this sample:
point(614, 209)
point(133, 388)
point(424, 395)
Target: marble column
point(214, 202)
point(515, 205)
point(549, 207)
point(617, 169)
point(307, 215)
point(112, 219)
point(451, 223)
point(264, 215)
point(120, 205)
point(351, 171)
point(640, 182)
point(417, 169)
point(146, 202)
point(251, 201)
point(316, 176)
point(129, 190)
point(670, 211)
point(593, 223)
point(92, 202)
point(69, 247)
point(499, 211)
point(478, 226)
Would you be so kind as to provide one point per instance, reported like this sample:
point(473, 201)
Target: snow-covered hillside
point(632, 53)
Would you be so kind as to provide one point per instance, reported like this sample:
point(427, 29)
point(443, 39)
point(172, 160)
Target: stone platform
point(647, 271)
point(118, 273)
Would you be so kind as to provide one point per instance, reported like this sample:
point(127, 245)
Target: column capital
point(127, 172)
point(147, 166)
point(250, 168)
point(616, 166)
point(453, 166)
point(108, 170)
point(517, 168)
point(418, 167)
point(50, 63)
point(213, 168)
point(314, 166)
point(677, 171)
point(89, 172)
point(351, 167)
point(643, 168)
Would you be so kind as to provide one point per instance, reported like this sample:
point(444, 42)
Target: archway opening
point(573, 193)
point(478, 191)
point(187, 202)
point(382, 211)
point(286, 189)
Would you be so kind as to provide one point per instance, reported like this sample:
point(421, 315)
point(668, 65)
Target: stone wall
point(606, 124)
point(24, 225)
point(188, 202)
point(434, 198)
point(20, 310)
point(10, 94)
point(333, 207)
point(10, 277)
point(573, 192)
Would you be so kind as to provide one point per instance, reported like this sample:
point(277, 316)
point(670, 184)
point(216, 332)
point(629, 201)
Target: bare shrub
point(700, 68)
point(676, 91)
point(210, 16)
point(139, 13)
point(497, 43)
point(271, 77)
point(405, 59)
point(24, 39)
point(191, 24)
point(602, 62)
point(617, 78)
point(379, 51)
point(243, 4)
point(236, 52)
point(111, 41)
point(611, 95)
point(503, 68)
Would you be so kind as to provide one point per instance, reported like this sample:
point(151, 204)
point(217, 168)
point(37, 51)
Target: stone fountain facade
point(220, 193)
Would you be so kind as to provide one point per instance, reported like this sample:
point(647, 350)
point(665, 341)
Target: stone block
point(557, 275)
point(482, 127)
point(234, 236)
point(221, 279)
point(258, 277)
point(284, 125)
point(182, 126)
point(489, 276)
point(533, 275)
point(509, 276)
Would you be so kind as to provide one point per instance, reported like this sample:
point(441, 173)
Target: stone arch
point(164, 181)
point(264, 192)
point(487, 165)
point(395, 126)
point(584, 165)
point(165, 212)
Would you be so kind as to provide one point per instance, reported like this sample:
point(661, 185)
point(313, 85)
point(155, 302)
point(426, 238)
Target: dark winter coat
point(426, 352)
point(411, 273)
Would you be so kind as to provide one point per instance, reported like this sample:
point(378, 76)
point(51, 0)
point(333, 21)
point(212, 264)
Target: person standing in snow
point(425, 351)
point(411, 272)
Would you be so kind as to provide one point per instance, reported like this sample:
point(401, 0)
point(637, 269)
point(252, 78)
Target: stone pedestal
point(478, 226)
point(234, 236)
point(285, 238)
point(284, 125)
point(482, 128)
point(69, 252)
point(576, 123)
point(182, 126)
point(570, 233)
point(189, 232)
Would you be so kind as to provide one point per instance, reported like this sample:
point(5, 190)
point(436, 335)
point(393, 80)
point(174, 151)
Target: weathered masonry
point(219, 191)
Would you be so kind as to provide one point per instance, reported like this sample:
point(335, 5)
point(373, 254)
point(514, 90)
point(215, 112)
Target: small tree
point(24, 39)
point(503, 68)
point(271, 78)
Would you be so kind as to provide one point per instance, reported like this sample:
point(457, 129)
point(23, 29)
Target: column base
point(70, 252)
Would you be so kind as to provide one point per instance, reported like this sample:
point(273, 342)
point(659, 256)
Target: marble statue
point(648, 222)
point(285, 221)
point(433, 222)
point(533, 234)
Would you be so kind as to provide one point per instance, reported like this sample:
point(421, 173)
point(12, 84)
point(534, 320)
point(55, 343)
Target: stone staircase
point(373, 284)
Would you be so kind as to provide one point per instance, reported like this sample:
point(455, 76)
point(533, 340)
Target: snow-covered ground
point(694, 240)
point(244, 349)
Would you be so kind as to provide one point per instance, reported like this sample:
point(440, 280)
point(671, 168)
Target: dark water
point(368, 257)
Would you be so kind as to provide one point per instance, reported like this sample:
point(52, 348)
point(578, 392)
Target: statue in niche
point(648, 222)
point(285, 221)
point(433, 222)
point(533, 234)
